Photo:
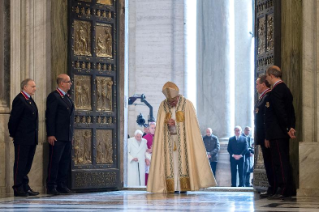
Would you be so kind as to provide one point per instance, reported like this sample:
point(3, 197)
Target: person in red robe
point(149, 137)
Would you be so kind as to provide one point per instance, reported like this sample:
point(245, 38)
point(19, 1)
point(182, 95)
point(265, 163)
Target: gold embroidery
point(185, 184)
point(170, 184)
point(180, 116)
point(267, 104)
point(167, 118)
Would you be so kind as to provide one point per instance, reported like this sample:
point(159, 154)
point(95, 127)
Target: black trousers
point(269, 168)
point(280, 158)
point(213, 165)
point(233, 167)
point(23, 158)
point(59, 164)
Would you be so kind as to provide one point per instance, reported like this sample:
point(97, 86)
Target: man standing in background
point(249, 157)
point(212, 148)
point(237, 148)
point(280, 127)
point(263, 89)
point(23, 128)
point(59, 122)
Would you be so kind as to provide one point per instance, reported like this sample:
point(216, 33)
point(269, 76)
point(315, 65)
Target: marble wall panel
point(155, 52)
point(308, 169)
point(59, 38)
point(291, 65)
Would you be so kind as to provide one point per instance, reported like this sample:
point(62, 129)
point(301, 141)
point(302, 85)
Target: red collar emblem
point(24, 95)
point(265, 92)
point(61, 94)
point(279, 82)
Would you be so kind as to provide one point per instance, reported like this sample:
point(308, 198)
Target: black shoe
point(53, 192)
point(277, 197)
point(183, 192)
point(64, 190)
point(32, 193)
point(265, 194)
point(20, 194)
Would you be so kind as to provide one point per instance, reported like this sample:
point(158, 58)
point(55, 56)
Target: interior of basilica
point(116, 50)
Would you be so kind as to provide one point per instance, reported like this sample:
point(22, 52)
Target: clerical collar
point(25, 94)
point(264, 93)
point(61, 91)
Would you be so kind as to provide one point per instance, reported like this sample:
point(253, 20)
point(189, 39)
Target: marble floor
point(142, 201)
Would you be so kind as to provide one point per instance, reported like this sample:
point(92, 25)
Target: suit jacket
point(59, 116)
point(260, 126)
point(280, 113)
point(212, 146)
point(24, 121)
point(238, 147)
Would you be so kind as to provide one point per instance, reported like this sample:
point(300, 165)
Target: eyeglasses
point(67, 81)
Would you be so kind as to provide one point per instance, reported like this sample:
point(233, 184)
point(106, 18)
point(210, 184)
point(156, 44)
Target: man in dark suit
point(249, 157)
point(23, 128)
point(59, 122)
point(212, 148)
point(280, 126)
point(263, 88)
point(237, 148)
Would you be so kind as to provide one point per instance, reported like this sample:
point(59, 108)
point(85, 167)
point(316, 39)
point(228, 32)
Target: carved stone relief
point(270, 32)
point(82, 38)
point(105, 2)
point(261, 35)
point(104, 41)
point(104, 93)
point(82, 147)
point(82, 88)
point(104, 147)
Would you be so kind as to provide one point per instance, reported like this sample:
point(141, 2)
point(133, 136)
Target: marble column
point(308, 156)
point(155, 52)
point(4, 84)
point(30, 58)
point(215, 72)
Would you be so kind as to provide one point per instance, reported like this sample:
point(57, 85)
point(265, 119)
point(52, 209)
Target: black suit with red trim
point(23, 128)
point(59, 123)
point(260, 132)
point(279, 118)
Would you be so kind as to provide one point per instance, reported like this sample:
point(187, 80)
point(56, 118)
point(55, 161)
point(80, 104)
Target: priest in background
point(136, 148)
point(179, 161)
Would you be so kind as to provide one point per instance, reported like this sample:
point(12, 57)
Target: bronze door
point(267, 53)
point(93, 66)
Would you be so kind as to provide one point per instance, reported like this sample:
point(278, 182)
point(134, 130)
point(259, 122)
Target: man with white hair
point(136, 148)
point(237, 148)
point(179, 161)
point(212, 148)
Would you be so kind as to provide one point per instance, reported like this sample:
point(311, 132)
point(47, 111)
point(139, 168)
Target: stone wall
point(155, 52)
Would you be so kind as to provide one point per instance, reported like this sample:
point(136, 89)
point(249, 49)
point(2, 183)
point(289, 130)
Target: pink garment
point(149, 137)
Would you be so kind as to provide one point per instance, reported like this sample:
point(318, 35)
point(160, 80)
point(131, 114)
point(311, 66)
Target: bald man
point(59, 122)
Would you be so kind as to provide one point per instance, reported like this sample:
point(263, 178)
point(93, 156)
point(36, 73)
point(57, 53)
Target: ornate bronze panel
point(104, 93)
point(82, 87)
point(105, 2)
point(104, 41)
point(104, 148)
point(82, 147)
point(267, 53)
point(82, 38)
point(93, 68)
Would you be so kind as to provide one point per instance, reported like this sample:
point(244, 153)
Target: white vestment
point(136, 169)
point(179, 160)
